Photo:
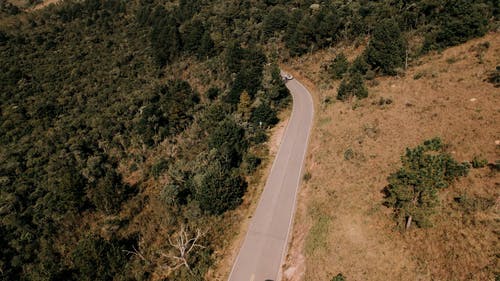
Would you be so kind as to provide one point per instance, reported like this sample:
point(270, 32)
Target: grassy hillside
point(342, 225)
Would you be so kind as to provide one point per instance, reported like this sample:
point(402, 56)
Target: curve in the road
point(265, 244)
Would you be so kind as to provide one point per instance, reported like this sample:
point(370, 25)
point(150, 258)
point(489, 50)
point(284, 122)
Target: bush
point(213, 93)
point(252, 163)
point(494, 77)
point(339, 66)
point(339, 277)
point(260, 136)
point(359, 65)
point(354, 87)
point(386, 50)
point(478, 162)
point(158, 168)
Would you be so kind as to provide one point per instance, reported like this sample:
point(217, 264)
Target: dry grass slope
point(342, 226)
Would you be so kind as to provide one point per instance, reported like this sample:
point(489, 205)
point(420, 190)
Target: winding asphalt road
point(264, 248)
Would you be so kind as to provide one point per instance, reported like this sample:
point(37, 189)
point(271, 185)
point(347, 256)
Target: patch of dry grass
point(353, 233)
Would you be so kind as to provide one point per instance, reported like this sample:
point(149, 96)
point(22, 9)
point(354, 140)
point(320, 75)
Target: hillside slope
point(342, 226)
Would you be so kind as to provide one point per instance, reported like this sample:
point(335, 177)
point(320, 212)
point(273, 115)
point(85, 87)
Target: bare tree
point(183, 245)
point(136, 253)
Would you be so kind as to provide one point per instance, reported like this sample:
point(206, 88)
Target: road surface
point(264, 248)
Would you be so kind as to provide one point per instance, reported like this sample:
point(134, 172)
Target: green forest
point(95, 92)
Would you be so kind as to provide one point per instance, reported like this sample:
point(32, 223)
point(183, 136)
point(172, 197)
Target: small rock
point(473, 99)
point(497, 142)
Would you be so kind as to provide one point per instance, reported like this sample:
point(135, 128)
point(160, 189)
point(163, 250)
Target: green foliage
point(275, 20)
point(458, 22)
point(339, 66)
point(359, 65)
point(109, 193)
point(159, 167)
point(97, 259)
point(229, 141)
point(470, 204)
point(213, 93)
point(252, 162)
point(165, 38)
point(412, 190)
point(494, 77)
point(218, 189)
point(478, 162)
point(83, 92)
point(248, 65)
point(339, 277)
point(265, 115)
point(167, 112)
point(386, 49)
point(354, 87)
point(278, 93)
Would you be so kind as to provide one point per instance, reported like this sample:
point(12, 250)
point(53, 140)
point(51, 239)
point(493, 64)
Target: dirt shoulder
point(341, 224)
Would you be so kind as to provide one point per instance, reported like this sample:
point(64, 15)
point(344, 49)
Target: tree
point(244, 107)
point(183, 243)
point(458, 22)
point(109, 193)
point(265, 115)
point(193, 33)
point(386, 49)
point(206, 48)
point(412, 190)
point(228, 138)
point(219, 189)
point(165, 40)
point(275, 20)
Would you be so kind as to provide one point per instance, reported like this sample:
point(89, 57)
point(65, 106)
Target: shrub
point(339, 277)
point(386, 50)
point(343, 91)
point(213, 93)
point(158, 168)
point(252, 162)
point(494, 77)
point(478, 162)
point(354, 87)
point(348, 154)
point(307, 176)
point(339, 66)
